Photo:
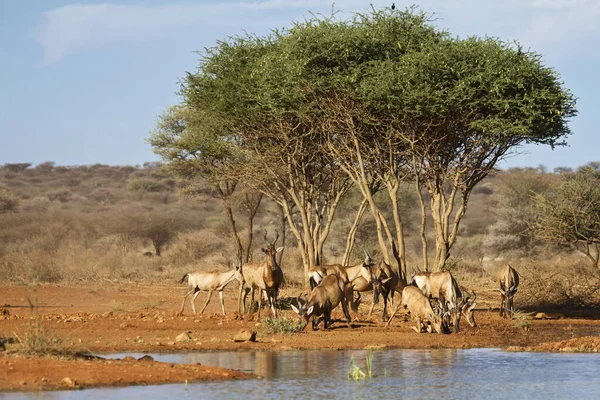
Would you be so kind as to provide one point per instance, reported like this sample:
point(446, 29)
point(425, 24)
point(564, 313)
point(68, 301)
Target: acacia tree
point(570, 214)
point(460, 106)
point(247, 93)
point(195, 150)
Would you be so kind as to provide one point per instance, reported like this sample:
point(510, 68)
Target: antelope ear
point(431, 317)
point(310, 310)
point(386, 280)
point(279, 249)
point(295, 309)
point(472, 306)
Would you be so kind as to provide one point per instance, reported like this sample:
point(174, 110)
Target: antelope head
point(270, 250)
point(237, 274)
point(378, 280)
point(303, 312)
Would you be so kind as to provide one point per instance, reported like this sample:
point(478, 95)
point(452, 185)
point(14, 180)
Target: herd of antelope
point(433, 299)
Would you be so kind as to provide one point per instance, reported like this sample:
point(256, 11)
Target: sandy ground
point(138, 318)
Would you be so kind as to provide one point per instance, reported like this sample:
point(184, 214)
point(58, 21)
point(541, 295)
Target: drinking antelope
point(210, 281)
point(385, 281)
point(324, 298)
point(438, 285)
point(508, 279)
point(420, 308)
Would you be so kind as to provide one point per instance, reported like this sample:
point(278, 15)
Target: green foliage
point(356, 373)
point(283, 325)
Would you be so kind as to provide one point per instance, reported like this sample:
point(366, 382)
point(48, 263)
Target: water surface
point(397, 373)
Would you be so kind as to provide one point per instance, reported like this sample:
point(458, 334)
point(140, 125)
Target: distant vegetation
point(85, 224)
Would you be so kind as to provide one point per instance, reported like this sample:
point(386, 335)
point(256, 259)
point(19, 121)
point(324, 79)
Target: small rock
point(540, 315)
point(146, 358)
point(128, 358)
point(2, 347)
point(249, 317)
point(107, 314)
point(245, 336)
point(44, 379)
point(183, 337)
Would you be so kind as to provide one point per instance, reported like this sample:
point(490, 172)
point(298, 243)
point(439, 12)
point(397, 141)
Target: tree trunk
point(352, 234)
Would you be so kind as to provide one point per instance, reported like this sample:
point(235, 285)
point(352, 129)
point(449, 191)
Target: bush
point(282, 325)
point(145, 185)
point(8, 201)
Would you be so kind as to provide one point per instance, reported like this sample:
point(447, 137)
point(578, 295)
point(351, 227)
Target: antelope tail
point(184, 278)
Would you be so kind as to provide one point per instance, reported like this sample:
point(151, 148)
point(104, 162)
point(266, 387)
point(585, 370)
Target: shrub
point(9, 202)
point(282, 325)
point(145, 185)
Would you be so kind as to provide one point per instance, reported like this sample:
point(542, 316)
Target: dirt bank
point(130, 318)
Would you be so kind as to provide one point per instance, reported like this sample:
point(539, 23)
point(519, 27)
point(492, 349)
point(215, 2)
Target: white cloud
point(538, 24)
point(71, 28)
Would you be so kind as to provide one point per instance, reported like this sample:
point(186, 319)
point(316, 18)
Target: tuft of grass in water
point(282, 325)
point(356, 373)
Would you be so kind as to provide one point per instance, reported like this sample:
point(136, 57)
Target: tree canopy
point(382, 98)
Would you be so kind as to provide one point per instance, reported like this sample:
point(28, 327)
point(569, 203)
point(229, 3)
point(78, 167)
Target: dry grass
point(69, 229)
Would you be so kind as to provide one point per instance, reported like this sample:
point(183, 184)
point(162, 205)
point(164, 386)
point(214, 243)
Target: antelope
point(438, 285)
point(357, 276)
point(272, 274)
point(420, 308)
point(210, 281)
point(385, 281)
point(253, 279)
point(324, 298)
point(467, 308)
point(508, 279)
point(266, 277)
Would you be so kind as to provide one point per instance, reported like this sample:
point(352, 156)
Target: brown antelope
point(210, 281)
point(420, 308)
point(324, 298)
point(385, 281)
point(348, 272)
point(508, 279)
point(266, 277)
point(253, 279)
point(467, 307)
point(442, 284)
point(357, 276)
point(272, 274)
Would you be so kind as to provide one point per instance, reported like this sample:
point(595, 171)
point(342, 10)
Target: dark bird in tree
point(393, 6)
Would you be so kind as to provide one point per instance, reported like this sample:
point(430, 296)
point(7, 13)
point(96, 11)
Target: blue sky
point(83, 82)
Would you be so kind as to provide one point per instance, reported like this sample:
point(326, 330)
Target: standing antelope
point(385, 282)
point(420, 308)
point(272, 274)
point(357, 276)
point(323, 299)
point(266, 277)
point(442, 284)
point(508, 279)
point(210, 281)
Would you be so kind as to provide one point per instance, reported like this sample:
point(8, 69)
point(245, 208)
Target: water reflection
point(444, 373)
